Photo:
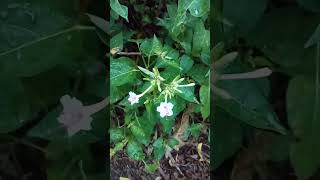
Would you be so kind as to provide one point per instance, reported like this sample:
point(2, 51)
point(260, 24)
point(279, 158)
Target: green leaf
point(122, 71)
point(14, 107)
point(100, 23)
point(195, 129)
point(243, 14)
point(186, 63)
point(119, 9)
point(32, 28)
point(97, 85)
point(119, 146)
point(248, 102)
point(284, 44)
point(184, 5)
point(134, 150)
point(170, 73)
point(227, 142)
point(198, 72)
point(199, 8)
point(167, 124)
point(25, 60)
point(159, 149)
point(303, 119)
point(152, 168)
point(117, 41)
point(188, 94)
point(201, 39)
point(150, 47)
point(139, 133)
point(205, 101)
point(175, 25)
point(118, 92)
point(172, 142)
point(116, 134)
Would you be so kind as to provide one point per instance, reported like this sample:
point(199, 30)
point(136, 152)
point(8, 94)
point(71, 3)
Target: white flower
point(133, 98)
point(165, 109)
point(75, 116)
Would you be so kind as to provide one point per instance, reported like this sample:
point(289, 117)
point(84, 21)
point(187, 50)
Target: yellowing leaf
point(199, 149)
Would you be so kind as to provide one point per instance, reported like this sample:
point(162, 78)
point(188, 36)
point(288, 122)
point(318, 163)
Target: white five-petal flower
point(133, 98)
point(76, 116)
point(165, 109)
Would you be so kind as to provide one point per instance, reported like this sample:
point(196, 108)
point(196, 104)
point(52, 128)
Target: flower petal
point(170, 105)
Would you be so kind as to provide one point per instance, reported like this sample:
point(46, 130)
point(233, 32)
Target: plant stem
point(91, 109)
point(260, 73)
point(129, 53)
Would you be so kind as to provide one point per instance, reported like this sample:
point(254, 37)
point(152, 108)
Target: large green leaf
point(187, 93)
point(243, 14)
point(100, 23)
point(122, 71)
point(284, 45)
point(159, 149)
point(14, 107)
point(305, 124)
point(198, 72)
point(151, 47)
point(116, 134)
point(248, 103)
point(178, 17)
point(186, 63)
point(205, 101)
point(201, 39)
point(138, 131)
point(117, 41)
point(31, 32)
point(227, 136)
point(134, 150)
point(119, 9)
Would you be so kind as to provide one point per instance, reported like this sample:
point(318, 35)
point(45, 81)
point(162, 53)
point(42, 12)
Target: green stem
point(260, 73)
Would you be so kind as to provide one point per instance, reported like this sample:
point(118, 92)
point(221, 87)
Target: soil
point(187, 160)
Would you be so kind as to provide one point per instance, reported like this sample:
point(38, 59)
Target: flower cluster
point(165, 108)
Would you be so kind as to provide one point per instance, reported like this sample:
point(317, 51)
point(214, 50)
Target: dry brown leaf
point(182, 127)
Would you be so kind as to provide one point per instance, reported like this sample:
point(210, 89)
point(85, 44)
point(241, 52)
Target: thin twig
point(163, 174)
point(129, 53)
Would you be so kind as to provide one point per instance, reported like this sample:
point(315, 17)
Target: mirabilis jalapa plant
point(168, 90)
point(154, 86)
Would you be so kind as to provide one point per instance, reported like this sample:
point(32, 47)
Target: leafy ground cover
point(160, 94)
